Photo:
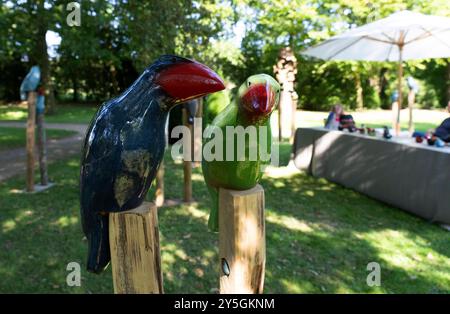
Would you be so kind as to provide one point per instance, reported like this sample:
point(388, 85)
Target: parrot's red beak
point(259, 99)
point(186, 81)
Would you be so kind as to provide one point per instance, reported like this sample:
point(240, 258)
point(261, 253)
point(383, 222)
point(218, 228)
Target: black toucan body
point(125, 144)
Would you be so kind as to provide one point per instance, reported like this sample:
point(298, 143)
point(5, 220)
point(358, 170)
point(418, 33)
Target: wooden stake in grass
point(242, 244)
point(197, 136)
point(135, 251)
point(31, 122)
point(187, 163)
point(42, 149)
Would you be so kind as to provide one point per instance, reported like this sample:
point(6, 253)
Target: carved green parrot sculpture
point(238, 141)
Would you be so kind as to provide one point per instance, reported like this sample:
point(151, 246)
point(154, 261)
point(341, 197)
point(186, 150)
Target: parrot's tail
point(98, 245)
point(213, 222)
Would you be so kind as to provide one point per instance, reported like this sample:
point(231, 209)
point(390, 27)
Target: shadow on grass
point(336, 232)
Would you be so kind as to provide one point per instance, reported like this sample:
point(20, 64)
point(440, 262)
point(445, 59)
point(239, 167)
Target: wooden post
point(31, 122)
point(187, 162)
point(197, 136)
point(187, 195)
point(135, 252)
point(242, 244)
point(42, 149)
point(159, 193)
point(285, 71)
point(400, 81)
point(411, 101)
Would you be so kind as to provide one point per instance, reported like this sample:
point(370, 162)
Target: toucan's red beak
point(185, 81)
point(259, 99)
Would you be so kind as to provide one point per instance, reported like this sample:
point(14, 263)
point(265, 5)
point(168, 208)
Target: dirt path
point(13, 162)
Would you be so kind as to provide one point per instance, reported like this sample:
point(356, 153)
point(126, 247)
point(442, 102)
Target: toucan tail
point(213, 221)
point(98, 245)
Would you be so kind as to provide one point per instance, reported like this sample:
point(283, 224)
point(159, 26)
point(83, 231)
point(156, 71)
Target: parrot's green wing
point(235, 175)
point(227, 116)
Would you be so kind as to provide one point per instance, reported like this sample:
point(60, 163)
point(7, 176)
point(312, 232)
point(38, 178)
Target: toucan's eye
point(249, 83)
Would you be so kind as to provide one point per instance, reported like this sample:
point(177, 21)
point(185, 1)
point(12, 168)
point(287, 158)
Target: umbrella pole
point(411, 100)
point(400, 95)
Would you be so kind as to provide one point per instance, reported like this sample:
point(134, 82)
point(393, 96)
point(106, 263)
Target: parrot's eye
point(249, 83)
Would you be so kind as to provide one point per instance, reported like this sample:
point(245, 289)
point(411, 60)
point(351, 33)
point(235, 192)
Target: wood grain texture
point(242, 241)
point(31, 123)
point(135, 250)
point(187, 163)
point(42, 148)
point(198, 136)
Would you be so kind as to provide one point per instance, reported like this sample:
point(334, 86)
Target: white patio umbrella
point(404, 35)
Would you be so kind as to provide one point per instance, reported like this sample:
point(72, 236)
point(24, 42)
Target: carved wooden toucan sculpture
point(125, 144)
point(257, 98)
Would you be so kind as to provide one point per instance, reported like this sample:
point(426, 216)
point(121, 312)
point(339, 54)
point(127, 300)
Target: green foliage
point(214, 104)
point(115, 42)
point(272, 25)
point(118, 39)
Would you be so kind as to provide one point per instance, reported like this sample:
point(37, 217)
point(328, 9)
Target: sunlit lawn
point(63, 113)
point(424, 119)
point(15, 137)
point(320, 238)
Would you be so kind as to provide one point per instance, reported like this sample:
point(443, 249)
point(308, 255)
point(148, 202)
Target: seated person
point(443, 131)
point(333, 120)
point(347, 122)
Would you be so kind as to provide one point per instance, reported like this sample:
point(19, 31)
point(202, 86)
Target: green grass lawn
point(320, 238)
point(63, 114)
point(424, 119)
point(15, 137)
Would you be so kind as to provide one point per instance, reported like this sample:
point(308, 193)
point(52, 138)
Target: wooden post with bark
point(135, 250)
point(31, 122)
point(285, 71)
point(187, 156)
point(242, 244)
point(197, 136)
